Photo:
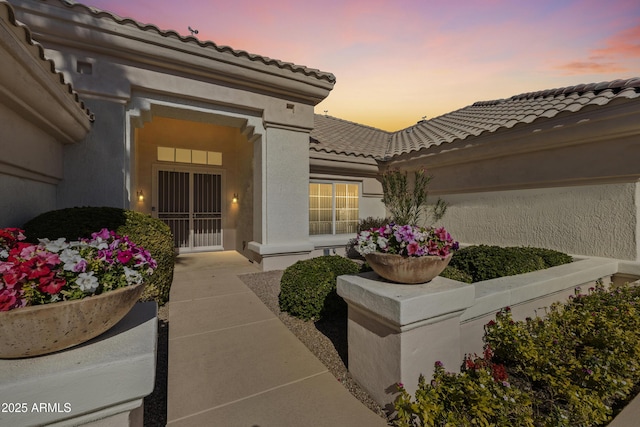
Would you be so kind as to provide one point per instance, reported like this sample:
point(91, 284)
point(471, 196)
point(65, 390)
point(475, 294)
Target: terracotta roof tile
point(7, 12)
point(491, 116)
point(332, 135)
point(311, 72)
point(340, 136)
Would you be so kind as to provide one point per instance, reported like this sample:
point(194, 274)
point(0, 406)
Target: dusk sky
point(396, 61)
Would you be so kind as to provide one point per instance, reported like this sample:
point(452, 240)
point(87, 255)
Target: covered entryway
point(189, 201)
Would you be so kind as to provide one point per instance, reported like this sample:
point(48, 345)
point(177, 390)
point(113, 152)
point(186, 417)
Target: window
point(184, 155)
point(333, 208)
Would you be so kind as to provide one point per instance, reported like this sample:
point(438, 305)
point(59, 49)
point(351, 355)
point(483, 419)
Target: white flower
point(87, 282)
point(382, 242)
point(70, 258)
point(4, 254)
point(132, 276)
point(56, 245)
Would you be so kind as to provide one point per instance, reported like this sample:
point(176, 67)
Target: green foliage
point(485, 262)
point(550, 257)
point(308, 287)
point(582, 361)
point(372, 222)
point(150, 233)
point(406, 200)
point(479, 396)
point(454, 274)
point(577, 367)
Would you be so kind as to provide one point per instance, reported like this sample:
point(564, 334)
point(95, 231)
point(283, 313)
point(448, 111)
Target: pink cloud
point(625, 43)
point(618, 49)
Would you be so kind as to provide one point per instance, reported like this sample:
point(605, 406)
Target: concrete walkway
point(233, 363)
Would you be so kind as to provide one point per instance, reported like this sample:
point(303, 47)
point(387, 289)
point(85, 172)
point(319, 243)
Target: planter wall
point(397, 332)
point(102, 382)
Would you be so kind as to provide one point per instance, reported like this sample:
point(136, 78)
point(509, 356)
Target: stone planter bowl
point(42, 329)
point(407, 270)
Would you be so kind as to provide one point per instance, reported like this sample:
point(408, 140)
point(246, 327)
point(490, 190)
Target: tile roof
point(37, 50)
point(492, 116)
point(311, 72)
point(333, 135)
point(342, 137)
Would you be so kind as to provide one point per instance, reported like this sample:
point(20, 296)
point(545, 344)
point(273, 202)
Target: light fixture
point(140, 196)
point(235, 198)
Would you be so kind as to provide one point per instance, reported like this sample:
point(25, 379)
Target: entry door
point(190, 203)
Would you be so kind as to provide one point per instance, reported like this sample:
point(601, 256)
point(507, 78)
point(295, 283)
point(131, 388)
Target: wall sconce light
point(140, 196)
point(235, 198)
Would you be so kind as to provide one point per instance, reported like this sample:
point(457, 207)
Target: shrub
point(550, 257)
point(150, 233)
point(308, 287)
point(485, 262)
point(480, 395)
point(407, 199)
point(455, 274)
point(578, 366)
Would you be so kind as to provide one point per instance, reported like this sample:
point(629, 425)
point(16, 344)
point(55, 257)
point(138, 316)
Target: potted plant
point(57, 294)
point(402, 251)
point(407, 253)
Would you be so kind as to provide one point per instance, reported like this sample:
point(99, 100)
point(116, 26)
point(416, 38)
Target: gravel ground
point(327, 338)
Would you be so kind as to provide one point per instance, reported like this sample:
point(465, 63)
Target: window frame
point(334, 221)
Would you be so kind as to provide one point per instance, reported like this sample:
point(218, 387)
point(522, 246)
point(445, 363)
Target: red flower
point(35, 268)
point(51, 285)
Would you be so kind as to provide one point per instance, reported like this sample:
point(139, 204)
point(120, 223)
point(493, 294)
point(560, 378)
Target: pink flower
point(102, 234)
point(10, 298)
point(413, 248)
point(124, 256)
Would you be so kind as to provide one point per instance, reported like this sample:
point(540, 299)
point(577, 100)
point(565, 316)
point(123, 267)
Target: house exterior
point(554, 168)
point(224, 146)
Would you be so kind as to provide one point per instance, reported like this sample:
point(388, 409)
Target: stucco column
point(281, 197)
point(397, 332)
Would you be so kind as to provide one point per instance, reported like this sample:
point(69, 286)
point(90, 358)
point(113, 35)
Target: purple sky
point(397, 61)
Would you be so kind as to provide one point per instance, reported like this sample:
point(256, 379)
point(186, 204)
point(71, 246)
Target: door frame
point(191, 168)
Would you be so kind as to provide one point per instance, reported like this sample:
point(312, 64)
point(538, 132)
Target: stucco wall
point(22, 199)
point(594, 220)
point(96, 171)
point(30, 165)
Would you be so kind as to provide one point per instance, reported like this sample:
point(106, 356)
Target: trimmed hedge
point(485, 262)
point(152, 234)
point(455, 274)
point(308, 287)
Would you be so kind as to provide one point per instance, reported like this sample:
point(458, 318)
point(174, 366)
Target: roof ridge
point(307, 71)
point(617, 84)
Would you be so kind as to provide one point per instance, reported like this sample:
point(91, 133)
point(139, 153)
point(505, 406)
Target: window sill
point(330, 240)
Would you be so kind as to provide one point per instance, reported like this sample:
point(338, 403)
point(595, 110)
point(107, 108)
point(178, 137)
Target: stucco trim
point(90, 29)
point(43, 96)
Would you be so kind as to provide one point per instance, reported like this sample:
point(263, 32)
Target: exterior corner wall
point(96, 171)
point(23, 199)
point(637, 228)
point(285, 178)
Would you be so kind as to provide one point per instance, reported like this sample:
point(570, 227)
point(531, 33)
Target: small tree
point(407, 201)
